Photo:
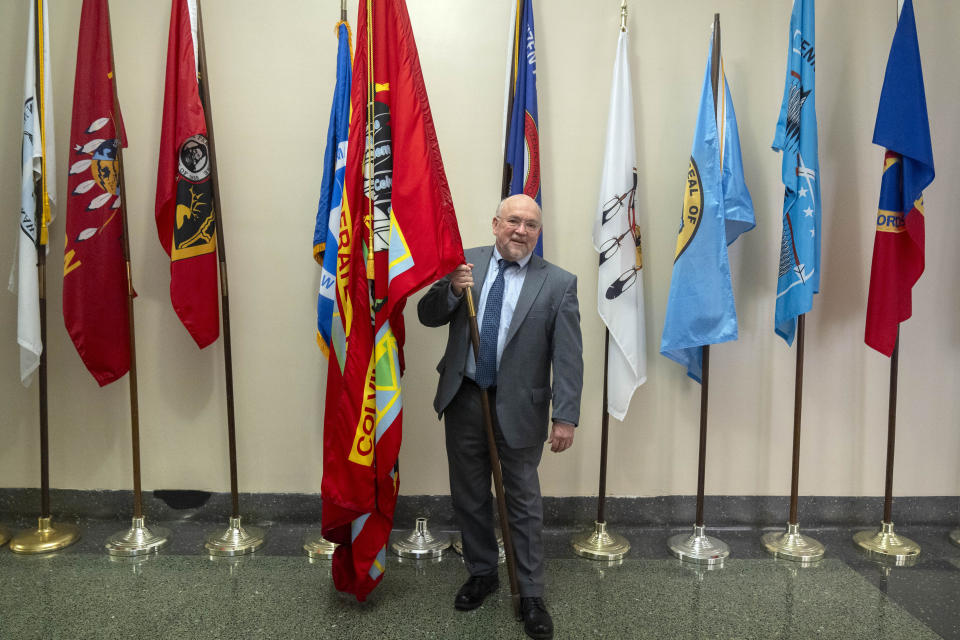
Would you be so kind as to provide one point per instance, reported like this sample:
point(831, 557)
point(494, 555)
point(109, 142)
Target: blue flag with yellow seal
point(798, 277)
point(327, 228)
point(716, 209)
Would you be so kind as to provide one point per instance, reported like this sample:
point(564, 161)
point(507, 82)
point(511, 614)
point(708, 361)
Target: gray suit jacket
point(543, 335)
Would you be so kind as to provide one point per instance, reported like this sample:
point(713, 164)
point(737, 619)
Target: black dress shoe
point(474, 591)
point(537, 622)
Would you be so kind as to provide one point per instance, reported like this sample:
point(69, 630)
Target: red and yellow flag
point(398, 233)
point(94, 274)
point(184, 207)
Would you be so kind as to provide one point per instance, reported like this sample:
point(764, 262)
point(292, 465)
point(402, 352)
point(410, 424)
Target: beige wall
point(271, 83)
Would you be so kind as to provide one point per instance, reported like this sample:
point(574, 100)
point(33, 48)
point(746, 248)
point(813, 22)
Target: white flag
point(616, 237)
point(37, 158)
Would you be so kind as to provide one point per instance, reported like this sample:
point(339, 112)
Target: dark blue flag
point(521, 161)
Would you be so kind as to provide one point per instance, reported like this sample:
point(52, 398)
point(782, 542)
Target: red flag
point(391, 245)
point(94, 273)
point(184, 208)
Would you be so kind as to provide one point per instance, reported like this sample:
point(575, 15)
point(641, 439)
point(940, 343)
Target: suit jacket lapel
point(532, 283)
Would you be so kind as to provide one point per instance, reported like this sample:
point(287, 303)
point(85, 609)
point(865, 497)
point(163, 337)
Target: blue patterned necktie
point(487, 362)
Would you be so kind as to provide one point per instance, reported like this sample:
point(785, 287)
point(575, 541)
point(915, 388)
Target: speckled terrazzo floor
point(81, 593)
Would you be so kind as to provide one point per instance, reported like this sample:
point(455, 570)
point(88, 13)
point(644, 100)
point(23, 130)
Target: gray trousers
point(470, 479)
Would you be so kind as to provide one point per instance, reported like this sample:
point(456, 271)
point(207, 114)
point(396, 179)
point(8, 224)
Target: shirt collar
point(521, 263)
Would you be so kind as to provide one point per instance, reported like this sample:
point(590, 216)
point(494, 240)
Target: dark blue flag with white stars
point(798, 278)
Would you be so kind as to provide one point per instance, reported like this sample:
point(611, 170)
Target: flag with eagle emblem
point(94, 272)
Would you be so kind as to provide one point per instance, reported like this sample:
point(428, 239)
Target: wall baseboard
point(660, 511)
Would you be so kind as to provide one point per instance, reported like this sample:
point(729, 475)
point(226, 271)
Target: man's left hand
point(561, 437)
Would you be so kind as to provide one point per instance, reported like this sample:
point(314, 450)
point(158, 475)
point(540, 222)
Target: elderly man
point(529, 322)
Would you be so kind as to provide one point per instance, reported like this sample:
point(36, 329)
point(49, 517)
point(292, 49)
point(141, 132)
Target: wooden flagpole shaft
point(797, 401)
point(40, 200)
point(495, 467)
point(891, 432)
point(222, 255)
point(507, 171)
point(702, 457)
point(134, 395)
point(604, 434)
point(705, 368)
point(42, 373)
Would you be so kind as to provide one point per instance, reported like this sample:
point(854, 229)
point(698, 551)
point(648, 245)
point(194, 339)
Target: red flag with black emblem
point(94, 274)
point(398, 233)
point(184, 207)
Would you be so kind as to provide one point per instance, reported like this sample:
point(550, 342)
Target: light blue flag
point(799, 275)
point(716, 209)
point(327, 229)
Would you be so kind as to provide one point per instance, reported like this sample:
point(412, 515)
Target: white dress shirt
point(512, 284)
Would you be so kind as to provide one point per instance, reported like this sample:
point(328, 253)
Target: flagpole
point(138, 539)
point(791, 544)
point(237, 539)
point(698, 547)
point(46, 537)
point(315, 545)
point(495, 467)
point(885, 545)
point(507, 168)
point(601, 544)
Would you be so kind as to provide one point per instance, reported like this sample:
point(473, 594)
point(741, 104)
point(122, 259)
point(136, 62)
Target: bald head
point(516, 226)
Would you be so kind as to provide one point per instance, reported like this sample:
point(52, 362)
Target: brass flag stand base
point(793, 545)
point(4, 535)
point(46, 538)
point(886, 546)
point(955, 537)
point(501, 554)
point(600, 544)
point(319, 548)
point(420, 543)
point(138, 540)
point(698, 547)
point(237, 540)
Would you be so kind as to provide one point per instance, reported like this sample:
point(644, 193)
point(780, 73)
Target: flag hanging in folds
point(184, 206)
point(898, 247)
point(616, 237)
point(327, 229)
point(521, 160)
point(798, 278)
point(398, 233)
point(37, 168)
point(94, 271)
point(716, 209)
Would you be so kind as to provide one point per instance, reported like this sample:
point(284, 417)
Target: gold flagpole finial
point(623, 15)
point(343, 10)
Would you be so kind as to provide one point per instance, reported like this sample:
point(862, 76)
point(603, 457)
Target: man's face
point(517, 227)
